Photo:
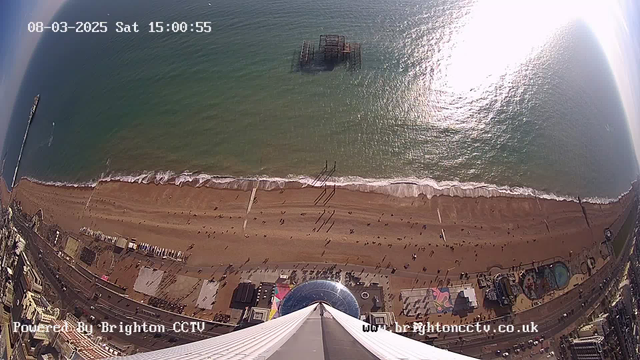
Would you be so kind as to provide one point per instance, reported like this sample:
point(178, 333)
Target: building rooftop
point(41, 304)
point(588, 339)
point(382, 318)
point(258, 315)
point(84, 346)
point(587, 331)
point(40, 301)
point(470, 294)
point(244, 293)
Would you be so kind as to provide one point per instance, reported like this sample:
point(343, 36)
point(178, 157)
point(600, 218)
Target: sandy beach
point(362, 228)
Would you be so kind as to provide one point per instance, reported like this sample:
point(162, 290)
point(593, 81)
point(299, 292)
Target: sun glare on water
point(498, 36)
point(495, 38)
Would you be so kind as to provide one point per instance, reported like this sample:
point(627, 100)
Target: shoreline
point(399, 187)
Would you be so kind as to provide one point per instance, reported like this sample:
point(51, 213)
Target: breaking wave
point(404, 187)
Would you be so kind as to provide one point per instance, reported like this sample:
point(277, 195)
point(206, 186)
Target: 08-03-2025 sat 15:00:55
point(121, 27)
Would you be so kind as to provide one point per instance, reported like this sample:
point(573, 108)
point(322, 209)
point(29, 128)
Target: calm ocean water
point(434, 98)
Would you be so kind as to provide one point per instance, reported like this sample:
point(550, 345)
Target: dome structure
point(330, 292)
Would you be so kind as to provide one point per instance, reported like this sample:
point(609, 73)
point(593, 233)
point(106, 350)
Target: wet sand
point(364, 228)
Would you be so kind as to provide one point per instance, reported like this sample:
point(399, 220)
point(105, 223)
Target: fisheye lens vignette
point(329, 180)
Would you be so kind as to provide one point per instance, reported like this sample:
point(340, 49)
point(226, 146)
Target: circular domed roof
point(333, 293)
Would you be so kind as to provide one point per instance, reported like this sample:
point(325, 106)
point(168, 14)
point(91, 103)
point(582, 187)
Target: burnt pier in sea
point(333, 50)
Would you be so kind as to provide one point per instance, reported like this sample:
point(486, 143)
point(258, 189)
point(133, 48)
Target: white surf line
point(439, 217)
point(253, 195)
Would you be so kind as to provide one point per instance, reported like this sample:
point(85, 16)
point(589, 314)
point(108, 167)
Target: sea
point(465, 96)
